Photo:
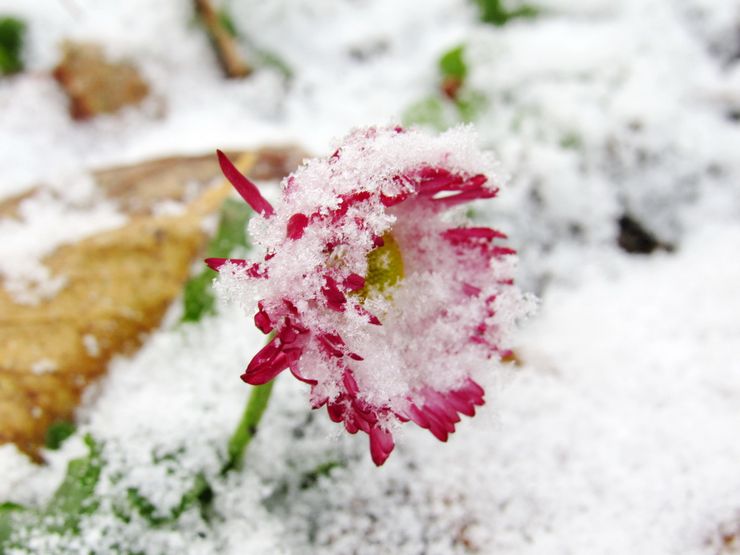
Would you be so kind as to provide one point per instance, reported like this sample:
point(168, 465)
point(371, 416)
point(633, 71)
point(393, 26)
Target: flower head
point(374, 287)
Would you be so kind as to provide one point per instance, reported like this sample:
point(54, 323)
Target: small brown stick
point(223, 42)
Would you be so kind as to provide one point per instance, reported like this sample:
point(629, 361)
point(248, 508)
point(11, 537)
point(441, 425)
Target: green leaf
point(8, 512)
point(74, 499)
point(12, 33)
point(452, 64)
point(57, 433)
point(309, 479)
point(571, 140)
point(231, 234)
point(441, 113)
point(271, 59)
point(146, 509)
point(198, 297)
point(495, 13)
point(429, 112)
point(199, 494)
point(470, 104)
point(232, 228)
point(524, 12)
point(75, 496)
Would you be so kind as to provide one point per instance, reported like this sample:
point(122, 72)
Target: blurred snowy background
point(619, 123)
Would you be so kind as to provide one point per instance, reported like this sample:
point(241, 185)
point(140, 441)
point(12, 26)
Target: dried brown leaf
point(119, 284)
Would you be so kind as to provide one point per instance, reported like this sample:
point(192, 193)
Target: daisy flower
point(373, 285)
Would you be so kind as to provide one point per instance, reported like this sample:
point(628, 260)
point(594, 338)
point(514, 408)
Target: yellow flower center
point(384, 267)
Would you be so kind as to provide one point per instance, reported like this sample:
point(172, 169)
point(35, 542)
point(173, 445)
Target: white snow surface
point(618, 433)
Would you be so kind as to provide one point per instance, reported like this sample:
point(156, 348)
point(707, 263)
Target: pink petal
point(354, 282)
point(336, 411)
point(441, 182)
point(248, 190)
point(262, 320)
point(367, 414)
point(253, 271)
point(371, 318)
point(350, 384)
point(473, 391)
point(351, 424)
point(259, 375)
point(299, 377)
point(471, 290)
point(335, 299)
point(381, 444)
point(216, 263)
point(465, 233)
point(346, 202)
point(438, 414)
point(441, 411)
point(328, 347)
point(360, 423)
point(438, 428)
point(296, 226)
point(465, 196)
point(267, 363)
point(389, 201)
point(288, 335)
point(439, 404)
point(461, 403)
point(335, 339)
point(419, 417)
point(503, 251)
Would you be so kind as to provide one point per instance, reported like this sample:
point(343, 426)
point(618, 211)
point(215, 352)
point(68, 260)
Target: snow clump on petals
point(375, 288)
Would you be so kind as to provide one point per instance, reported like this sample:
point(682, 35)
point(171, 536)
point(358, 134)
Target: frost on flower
point(374, 287)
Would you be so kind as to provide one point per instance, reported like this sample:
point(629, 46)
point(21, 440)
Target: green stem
point(247, 427)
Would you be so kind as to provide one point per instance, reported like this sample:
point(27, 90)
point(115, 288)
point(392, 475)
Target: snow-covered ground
point(619, 431)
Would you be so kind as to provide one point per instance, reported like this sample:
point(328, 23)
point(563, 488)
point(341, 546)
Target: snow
point(46, 220)
point(602, 104)
point(617, 433)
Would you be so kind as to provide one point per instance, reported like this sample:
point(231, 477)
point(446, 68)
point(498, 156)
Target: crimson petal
point(267, 363)
point(335, 299)
point(248, 190)
point(381, 444)
point(296, 226)
point(216, 263)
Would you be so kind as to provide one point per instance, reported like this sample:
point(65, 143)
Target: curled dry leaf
point(118, 285)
